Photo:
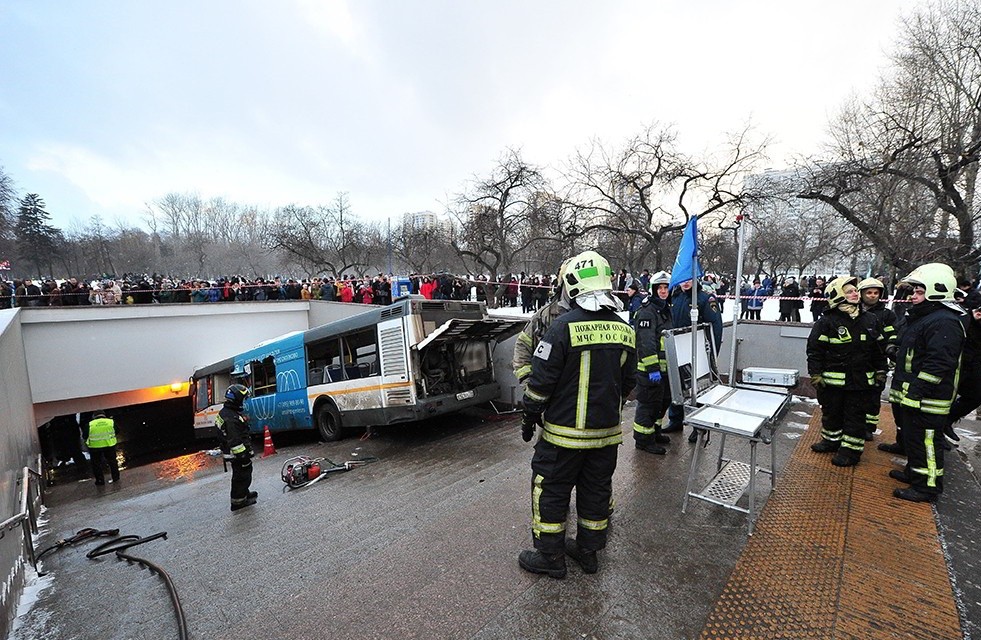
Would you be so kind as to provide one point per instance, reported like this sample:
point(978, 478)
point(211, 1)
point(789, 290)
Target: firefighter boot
point(650, 446)
point(825, 446)
point(911, 494)
point(892, 447)
point(902, 476)
point(241, 505)
point(843, 459)
point(552, 564)
point(659, 436)
point(586, 559)
point(253, 495)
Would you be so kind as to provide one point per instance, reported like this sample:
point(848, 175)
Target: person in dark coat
point(790, 308)
point(819, 301)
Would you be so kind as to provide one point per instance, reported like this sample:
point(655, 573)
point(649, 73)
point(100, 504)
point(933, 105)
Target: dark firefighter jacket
point(582, 371)
point(650, 321)
point(928, 359)
point(888, 321)
point(846, 352)
point(233, 427)
point(530, 336)
point(708, 312)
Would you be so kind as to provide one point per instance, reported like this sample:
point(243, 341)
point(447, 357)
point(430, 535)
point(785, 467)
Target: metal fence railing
point(31, 497)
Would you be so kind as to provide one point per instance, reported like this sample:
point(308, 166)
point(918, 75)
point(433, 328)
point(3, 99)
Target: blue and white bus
point(406, 361)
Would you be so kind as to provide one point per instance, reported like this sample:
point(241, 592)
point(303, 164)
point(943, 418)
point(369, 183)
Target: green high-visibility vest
point(102, 433)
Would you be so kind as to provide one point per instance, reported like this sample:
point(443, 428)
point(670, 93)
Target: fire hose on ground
point(119, 545)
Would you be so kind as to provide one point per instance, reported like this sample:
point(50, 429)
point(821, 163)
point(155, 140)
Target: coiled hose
point(119, 546)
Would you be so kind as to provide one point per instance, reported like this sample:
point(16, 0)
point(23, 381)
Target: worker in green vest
point(100, 438)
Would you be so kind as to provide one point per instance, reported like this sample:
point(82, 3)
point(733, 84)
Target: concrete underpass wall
point(19, 447)
point(112, 356)
point(86, 358)
point(322, 312)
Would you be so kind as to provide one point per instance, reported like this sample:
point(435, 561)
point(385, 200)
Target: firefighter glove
point(817, 380)
point(655, 377)
point(529, 424)
point(880, 378)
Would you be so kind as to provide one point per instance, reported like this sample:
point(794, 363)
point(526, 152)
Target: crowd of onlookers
point(532, 291)
point(529, 291)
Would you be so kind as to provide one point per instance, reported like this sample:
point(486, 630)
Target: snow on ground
point(771, 311)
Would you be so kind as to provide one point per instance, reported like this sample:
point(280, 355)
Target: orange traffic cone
point(268, 448)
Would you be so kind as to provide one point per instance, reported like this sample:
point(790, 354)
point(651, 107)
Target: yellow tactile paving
point(836, 556)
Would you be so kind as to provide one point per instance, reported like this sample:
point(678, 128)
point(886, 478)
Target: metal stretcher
point(729, 410)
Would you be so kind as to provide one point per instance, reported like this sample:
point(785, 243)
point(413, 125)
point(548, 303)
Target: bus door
point(361, 371)
point(397, 390)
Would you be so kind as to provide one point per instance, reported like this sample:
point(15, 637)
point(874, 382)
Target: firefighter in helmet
point(925, 380)
point(233, 429)
point(531, 335)
point(651, 319)
point(581, 373)
point(872, 291)
point(847, 366)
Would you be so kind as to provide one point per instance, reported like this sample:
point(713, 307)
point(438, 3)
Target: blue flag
point(687, 254)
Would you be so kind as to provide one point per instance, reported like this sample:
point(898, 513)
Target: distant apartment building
point(420, 220)
point(782, 208)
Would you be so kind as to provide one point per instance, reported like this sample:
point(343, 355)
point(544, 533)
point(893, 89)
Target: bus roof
point(219, 367)
point(359, 321)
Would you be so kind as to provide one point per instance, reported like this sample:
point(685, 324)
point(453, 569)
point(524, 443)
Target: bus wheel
point(329, 422)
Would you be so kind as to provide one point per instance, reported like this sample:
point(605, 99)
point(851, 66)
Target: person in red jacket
point(347, 292)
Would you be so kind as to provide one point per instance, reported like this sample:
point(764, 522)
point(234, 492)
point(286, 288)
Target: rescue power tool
point(302, 471)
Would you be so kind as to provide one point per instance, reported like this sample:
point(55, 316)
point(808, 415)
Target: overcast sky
point(108, 105)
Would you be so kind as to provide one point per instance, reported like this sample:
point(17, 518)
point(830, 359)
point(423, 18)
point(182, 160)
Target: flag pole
point(693, 314)
point(741, 219)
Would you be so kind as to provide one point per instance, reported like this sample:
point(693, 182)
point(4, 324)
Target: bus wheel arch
point(328, 420)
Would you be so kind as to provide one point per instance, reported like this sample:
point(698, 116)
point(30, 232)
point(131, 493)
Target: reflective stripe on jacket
point(649, 325)
point(102, 433)
point(846, 352)
point(528, 339)
point(928, 359)
point(582, 370)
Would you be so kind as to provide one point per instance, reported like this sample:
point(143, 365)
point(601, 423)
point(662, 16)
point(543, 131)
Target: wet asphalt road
point(421, 544)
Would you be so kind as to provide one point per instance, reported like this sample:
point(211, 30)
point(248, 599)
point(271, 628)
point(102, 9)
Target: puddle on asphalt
point(182, 466)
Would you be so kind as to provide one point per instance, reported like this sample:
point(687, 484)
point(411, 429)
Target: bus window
point(324, 361)
point(264, 377)
point(361, 354)
point(202, 393)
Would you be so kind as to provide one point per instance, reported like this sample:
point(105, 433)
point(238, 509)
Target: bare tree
point(8, 196)
point(322, 239)
point(499, 217)
point(422, 246)
point(788, 233)
point(637, 196)
point(904, 162)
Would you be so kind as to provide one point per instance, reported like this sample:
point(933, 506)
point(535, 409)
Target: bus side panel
point(204, 421)
point(291, 396)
